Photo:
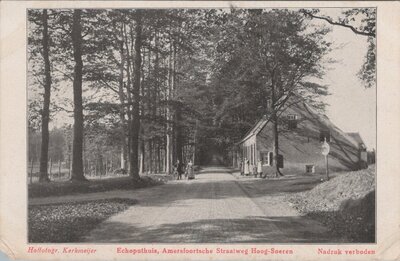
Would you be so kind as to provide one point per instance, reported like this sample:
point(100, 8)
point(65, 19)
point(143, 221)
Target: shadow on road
point(216, 207)
point(254, 188)
point(250, 229)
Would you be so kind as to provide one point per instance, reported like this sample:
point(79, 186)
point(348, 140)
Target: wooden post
point(51, 165)
point(106, 165)
point(69, 168)
point(195, 142)
point(59, 168)
point(110, 166)
point(327, 167)
point(89, 169)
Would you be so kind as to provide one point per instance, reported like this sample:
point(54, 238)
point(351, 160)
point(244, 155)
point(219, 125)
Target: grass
point(346, 204)
point(68, 222)
point(100, 185)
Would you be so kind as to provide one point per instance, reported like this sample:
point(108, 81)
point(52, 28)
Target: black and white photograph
point(201, 125)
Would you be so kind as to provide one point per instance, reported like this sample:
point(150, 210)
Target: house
point(363, 154)
point(302, 130)
point(357, 138)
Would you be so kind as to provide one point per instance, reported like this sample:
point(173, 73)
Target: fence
point(61, 170)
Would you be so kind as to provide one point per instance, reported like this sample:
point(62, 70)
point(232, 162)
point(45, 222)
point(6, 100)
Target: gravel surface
point(215, 207)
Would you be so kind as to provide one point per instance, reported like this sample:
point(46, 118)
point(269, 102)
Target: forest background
point(189, 94)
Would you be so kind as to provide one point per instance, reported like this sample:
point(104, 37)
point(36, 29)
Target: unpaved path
point(216, 207)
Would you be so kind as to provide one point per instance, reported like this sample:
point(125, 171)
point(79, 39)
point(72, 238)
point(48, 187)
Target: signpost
point(325, 151)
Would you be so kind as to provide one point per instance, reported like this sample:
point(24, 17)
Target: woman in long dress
point(189, 170)
point(259, 168)
point(246, 167)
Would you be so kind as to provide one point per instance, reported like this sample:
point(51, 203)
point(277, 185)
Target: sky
point(352, 107)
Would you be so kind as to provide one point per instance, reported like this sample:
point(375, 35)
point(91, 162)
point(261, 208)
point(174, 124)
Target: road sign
point(325, 148)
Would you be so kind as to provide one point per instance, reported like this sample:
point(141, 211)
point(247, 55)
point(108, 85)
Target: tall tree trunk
point(151, 156)
point(177, 110)
point(122, 109)
point(135, 127)
point(141, 156)
point(129, 95)
point(77, 147)
point(179, 136)
point(195, 142)
point(275, 131)
point(44, 151)
point(159, 159)
point(169, 137)
point(150, 99)
point(155, 109)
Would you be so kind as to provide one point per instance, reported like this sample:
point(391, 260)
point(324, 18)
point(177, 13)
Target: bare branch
point(109, 86)
point(63, 73)
point(39, 81)
point(356, 31)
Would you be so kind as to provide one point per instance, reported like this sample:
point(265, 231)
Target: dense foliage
point(164, 85)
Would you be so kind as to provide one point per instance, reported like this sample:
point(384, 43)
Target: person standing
point(246, 167)
point(179, 169)
point(259, 168)
point(189, 170)
point(241, 167)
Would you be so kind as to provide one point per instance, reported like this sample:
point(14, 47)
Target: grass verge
point(75, 187)
point(68, 222)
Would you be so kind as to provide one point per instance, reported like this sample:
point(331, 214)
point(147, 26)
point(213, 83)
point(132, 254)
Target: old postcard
point(200, 130)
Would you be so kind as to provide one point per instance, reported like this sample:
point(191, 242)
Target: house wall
point(249, 150)
point(302, 145)
point(234, 157)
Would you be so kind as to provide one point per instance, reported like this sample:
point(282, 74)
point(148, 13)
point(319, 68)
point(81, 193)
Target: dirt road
point(216, 207)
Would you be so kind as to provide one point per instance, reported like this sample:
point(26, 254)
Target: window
point(310, 169)
point(271, 158)
point(292, 121)
point(266, 158)
point(324, 134)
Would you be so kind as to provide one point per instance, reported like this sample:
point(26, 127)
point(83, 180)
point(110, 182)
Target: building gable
point(301, 144)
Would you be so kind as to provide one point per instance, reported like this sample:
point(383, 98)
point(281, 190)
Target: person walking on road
point(179, 169)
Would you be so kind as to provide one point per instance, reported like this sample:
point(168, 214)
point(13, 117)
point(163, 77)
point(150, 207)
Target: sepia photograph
point(201, 125)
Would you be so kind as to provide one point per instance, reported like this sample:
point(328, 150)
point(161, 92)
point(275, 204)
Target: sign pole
point(327, 167)
point(325, 151)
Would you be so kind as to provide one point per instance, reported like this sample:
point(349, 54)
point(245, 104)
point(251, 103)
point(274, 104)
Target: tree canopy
point(161, 85)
